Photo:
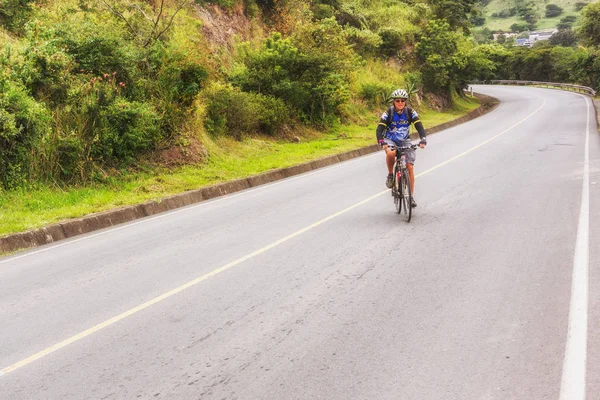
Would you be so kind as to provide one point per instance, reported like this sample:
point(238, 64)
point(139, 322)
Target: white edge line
point(573, 382)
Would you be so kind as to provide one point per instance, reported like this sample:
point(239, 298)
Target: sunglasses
point(399, 100)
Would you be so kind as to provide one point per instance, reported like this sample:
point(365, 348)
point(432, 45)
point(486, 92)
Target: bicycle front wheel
point(396, 191)
point(405, 196)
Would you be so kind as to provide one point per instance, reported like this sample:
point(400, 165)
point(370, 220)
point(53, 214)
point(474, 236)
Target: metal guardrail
point(564, 86)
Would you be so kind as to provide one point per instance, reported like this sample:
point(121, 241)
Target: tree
point(456, 12)
point(478, 20)
point(565, 38)
point(519, 27)
point(528, 12)
point(436, 52)
point(552, 10)
point(590, 24)
point(484, 36)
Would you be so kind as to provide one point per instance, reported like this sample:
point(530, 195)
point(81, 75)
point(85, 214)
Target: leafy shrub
point(13, 13)
point(125, 129)
point(46, 69)
point(392, 41)
point(564, 37)
point(478, 20)
point(363, 41)
point(563, 25)
point(232, 112)
point(511, 12)
point(519, 27)
point(115, 129)
point(322, 11)
point(70, 154)
point(23, 124)
point(98, 55)
point(552, 10)
point(375, 93)
point(310, 74)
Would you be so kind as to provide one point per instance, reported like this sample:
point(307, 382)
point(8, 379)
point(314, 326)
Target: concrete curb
point(93, 222)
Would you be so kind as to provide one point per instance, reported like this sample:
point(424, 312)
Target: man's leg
point(390, 159)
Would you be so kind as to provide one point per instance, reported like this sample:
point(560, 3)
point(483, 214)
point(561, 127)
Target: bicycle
point(401, 189)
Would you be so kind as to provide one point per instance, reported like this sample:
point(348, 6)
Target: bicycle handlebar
point(412, 146)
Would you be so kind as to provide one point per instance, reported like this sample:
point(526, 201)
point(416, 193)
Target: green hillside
point(569, 8)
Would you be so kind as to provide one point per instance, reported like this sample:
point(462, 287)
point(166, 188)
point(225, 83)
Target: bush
point(310, 74)
point(392, 41)
point(45, 70)
point(322, 11)
point(505, 13)
point(70, 153)
point(364, 41)
point(564, 37)
point(478, 20)
point(97, 55)
point(375, 93)
point(111, 129)
point(23, 124)
point(14, 13)
point(519, 27)
point(232, 112)
point(552, 10)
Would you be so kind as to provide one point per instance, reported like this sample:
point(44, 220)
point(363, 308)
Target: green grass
point(24, 210)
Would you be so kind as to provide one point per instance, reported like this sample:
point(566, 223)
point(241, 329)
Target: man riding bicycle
point(394, 130)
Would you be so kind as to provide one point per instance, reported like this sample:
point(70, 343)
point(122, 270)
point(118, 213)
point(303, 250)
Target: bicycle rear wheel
point(406, 195)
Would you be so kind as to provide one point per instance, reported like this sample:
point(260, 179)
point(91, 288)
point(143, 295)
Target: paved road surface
point(313, 288)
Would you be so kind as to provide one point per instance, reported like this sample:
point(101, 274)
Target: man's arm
point(421, 130)
point(419, 126)
point(381, 128)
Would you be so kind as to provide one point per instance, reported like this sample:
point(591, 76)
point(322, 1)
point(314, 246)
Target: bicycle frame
point(401, 189)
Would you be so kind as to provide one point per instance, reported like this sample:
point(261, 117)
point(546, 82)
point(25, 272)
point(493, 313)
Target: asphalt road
point(313, 288)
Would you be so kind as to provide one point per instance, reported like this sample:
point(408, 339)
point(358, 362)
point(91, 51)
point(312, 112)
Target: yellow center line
point(217, 271)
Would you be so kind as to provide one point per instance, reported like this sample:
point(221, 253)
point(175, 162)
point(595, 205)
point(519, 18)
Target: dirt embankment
point(223, 28)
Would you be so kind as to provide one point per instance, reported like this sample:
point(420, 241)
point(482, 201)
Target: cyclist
point(394, 129)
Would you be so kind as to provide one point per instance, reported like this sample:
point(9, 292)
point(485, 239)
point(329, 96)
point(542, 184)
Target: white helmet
point(399, 94)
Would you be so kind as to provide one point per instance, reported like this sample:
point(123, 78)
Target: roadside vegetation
point(571, 55)
point(109, 102)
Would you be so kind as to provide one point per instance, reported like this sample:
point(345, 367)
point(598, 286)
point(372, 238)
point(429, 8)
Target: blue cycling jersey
point(399, 129)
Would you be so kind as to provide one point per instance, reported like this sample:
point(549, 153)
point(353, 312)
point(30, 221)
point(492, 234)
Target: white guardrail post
point(577, 88)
